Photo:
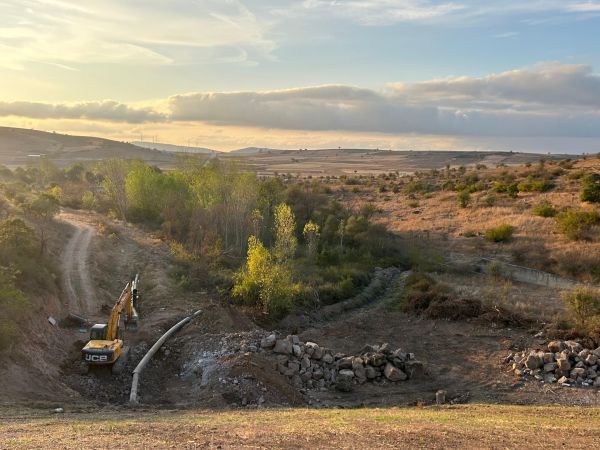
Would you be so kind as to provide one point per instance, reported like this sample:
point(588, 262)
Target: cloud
point(107, 110)
point(383, 12)
point(584, 7)
point(129, 32)
point(546, 100)
point(544, 85)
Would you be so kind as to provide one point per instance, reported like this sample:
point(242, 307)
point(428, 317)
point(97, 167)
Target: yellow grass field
point(464, 426)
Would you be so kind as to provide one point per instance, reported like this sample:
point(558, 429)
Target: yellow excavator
point(106, 346)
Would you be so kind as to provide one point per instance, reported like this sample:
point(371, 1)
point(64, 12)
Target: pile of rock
point(564, 362)
point(310, 366)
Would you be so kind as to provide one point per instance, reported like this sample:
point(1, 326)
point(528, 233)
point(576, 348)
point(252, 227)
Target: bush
point(584, 305)
point(463, 198)
point(544, 209)
point(511, 189)
point(533, 185)
point(590, 191)
point(577, 224)
point(500, 233)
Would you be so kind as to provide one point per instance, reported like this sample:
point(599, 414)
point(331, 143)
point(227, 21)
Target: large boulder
point(370, 372)
point(377, 359)
point(345, 362)
point(392, 373)
point(327, 358)
point(313, 350)
point(268, 342)
point(283, 346)
point(533, 361)
point(414, 369)
point(556, 346)
point(574, 346)
point(344, 380)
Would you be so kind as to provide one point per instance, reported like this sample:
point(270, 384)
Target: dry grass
point(472, 426)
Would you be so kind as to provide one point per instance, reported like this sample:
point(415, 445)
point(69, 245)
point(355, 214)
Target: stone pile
point(564, 362)
point(311, 366)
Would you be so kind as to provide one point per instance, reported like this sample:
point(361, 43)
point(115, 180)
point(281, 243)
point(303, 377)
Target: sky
point(226, 74)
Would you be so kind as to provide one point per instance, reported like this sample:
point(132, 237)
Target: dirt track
point(74, 262)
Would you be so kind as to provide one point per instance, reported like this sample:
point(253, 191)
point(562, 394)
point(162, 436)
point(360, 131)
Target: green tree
point(285, 233)
point(263, 281)
point(311, 235)
point(43, 209)
point(114, 173)
point(16, 240)
point(13, 302)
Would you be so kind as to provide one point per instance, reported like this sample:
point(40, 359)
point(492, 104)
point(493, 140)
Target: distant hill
point(254, 150)
point(174, 148)
point(20, 146)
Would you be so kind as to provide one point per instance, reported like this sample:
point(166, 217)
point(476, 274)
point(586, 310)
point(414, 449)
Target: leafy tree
point(16, 240)
point(12, 304)
point(114, 173)
point(285, 233)
point(311, 235)
point(263, 281)
point(43, 209)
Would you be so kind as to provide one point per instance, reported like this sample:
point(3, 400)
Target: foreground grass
point(473, 426)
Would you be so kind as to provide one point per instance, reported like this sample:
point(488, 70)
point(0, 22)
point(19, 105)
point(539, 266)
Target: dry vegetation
point(481, 426)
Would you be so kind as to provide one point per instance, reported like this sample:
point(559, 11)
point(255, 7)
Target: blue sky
point(377, 73)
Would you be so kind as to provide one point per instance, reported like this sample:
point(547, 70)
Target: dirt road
point(75, 266)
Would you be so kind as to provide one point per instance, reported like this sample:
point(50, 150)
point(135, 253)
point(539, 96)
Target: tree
point(12, 303)
point(43, 209)
point(114, 173)
point(311, 235)
point(285, 229)
point(16, 240)
point(263, 281)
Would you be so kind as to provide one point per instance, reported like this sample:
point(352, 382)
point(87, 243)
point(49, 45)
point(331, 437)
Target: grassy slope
point(479, 426)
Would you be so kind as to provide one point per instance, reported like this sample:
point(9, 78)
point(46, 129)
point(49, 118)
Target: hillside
point(335, 162)
point(19, 146)
point(174, 148)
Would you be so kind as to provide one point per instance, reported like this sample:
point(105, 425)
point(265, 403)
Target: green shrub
point(583, 304)
point(590, 191)
point(511, 189)
point(533, 185)
point(544, 209)
point(500, 233)
point(577, 224)
point(413, 204)
point(463, 198)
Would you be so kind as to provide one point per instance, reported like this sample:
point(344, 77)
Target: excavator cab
point(98, 332)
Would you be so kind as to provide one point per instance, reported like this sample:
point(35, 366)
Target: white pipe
point(133, 400)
